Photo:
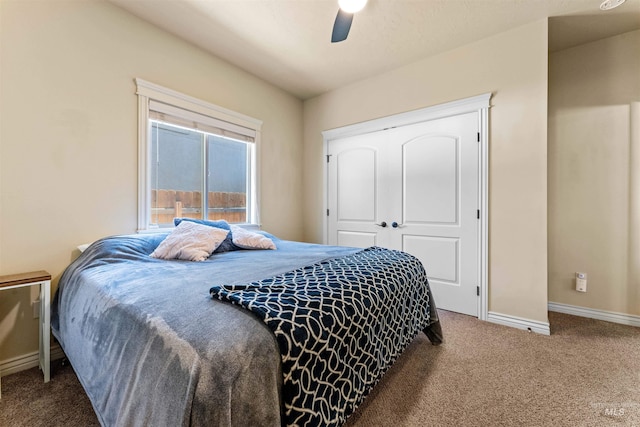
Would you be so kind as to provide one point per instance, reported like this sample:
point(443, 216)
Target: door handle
point(382, 224)
point(395, 224)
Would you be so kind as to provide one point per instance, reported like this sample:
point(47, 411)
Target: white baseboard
point(609, 316)
point(519, 322)
point(27, 361)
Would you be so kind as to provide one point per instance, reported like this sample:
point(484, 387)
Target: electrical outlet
point(581, 282)
point(36, 309)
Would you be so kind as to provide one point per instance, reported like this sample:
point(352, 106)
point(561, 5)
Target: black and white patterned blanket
point(340, 324)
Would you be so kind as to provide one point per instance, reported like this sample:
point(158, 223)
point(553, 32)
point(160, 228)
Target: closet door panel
point(356, 188)
point(443, 254)
point(356, 184)
point(430, 179)
point(356, 239)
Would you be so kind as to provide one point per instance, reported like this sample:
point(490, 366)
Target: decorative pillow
point(227, 245)
point(246, 239)
point(83, 247)
point(190, 241)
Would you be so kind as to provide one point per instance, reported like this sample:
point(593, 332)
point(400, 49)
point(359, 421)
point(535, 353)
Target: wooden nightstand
point(43, 279)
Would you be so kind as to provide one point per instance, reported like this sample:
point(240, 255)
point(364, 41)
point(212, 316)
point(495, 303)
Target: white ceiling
point(287, 42)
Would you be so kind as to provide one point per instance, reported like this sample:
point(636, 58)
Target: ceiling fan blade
point(342, 26)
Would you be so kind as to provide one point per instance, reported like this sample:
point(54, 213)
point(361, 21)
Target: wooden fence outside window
point(169, 204)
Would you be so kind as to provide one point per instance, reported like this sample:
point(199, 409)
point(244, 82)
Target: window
point(196, 160)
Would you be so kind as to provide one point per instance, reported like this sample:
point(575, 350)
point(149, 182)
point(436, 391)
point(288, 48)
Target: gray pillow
point(227, 245)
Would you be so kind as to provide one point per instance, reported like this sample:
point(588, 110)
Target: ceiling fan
point(342, 25)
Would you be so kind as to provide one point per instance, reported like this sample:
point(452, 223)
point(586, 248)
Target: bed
point(179, 343)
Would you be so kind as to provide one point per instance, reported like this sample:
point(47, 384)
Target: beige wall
point(512, 65)
point(68, 138)
point(593, 225)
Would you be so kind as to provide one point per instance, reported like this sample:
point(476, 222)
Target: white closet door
point(421, 181)
point(355, 188)
point(437, 205)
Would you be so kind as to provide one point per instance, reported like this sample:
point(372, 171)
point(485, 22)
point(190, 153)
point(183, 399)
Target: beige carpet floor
point(587, 373)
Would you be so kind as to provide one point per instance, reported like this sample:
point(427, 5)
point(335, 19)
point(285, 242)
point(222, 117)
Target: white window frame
point(148, 92)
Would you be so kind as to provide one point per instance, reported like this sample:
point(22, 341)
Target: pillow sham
point(190, 241)
point(246, 239)
point(227, 245)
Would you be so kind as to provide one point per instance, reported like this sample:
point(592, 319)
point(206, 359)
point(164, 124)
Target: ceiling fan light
point(352, 6)
point(610, 4)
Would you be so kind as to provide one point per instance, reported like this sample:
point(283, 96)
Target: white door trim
point(479, 103)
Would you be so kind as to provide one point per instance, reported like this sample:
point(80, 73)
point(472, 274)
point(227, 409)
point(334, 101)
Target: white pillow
point(190, 241)
point(246, 239)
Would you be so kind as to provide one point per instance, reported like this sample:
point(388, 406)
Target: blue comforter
point(150, 346)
